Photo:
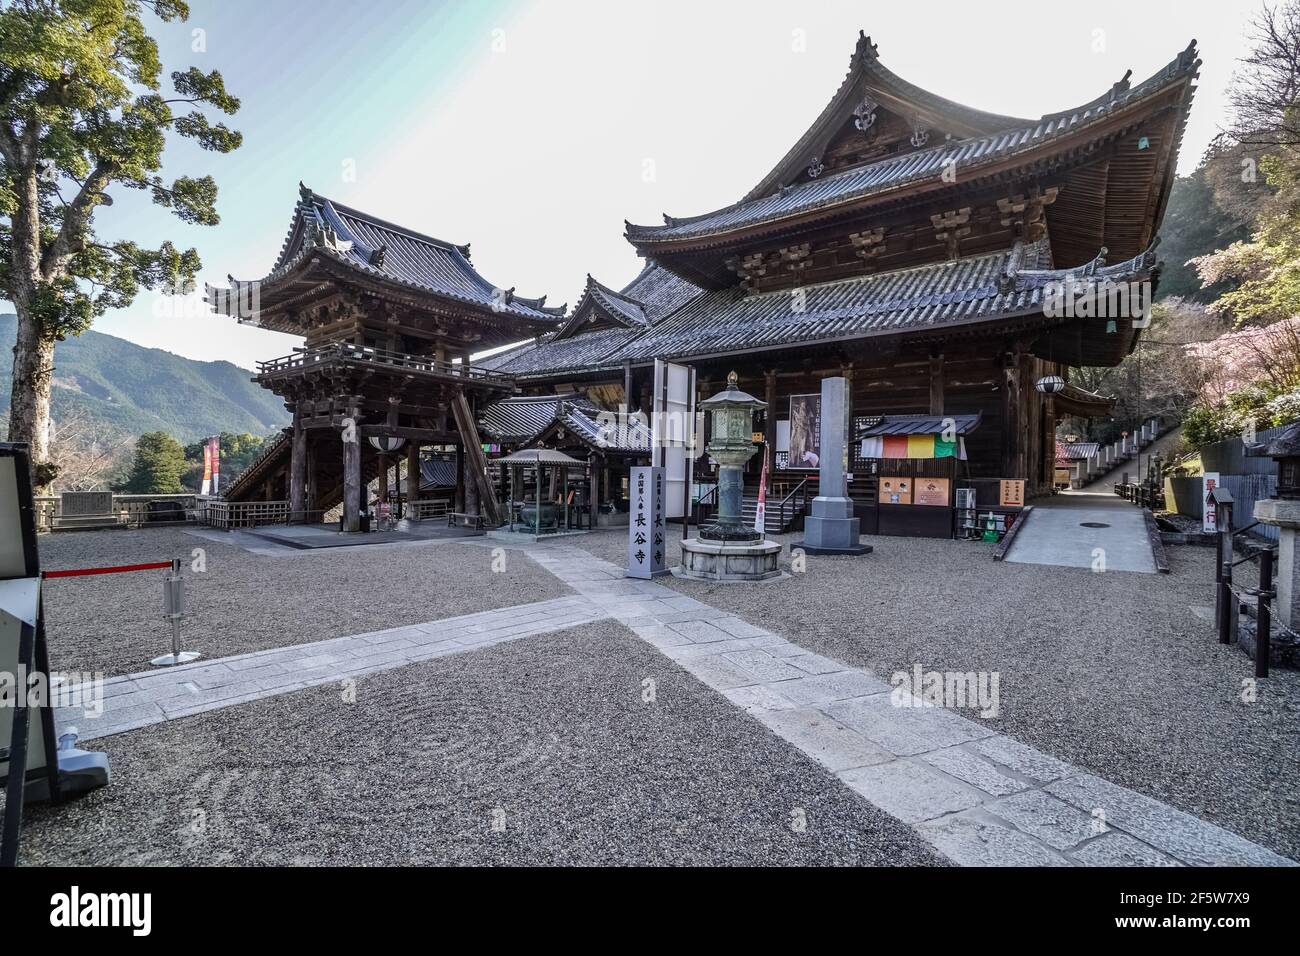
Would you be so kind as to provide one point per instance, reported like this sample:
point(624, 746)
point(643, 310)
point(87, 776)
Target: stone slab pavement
point(981, 798)
point(137, 700)
point(1056, 532)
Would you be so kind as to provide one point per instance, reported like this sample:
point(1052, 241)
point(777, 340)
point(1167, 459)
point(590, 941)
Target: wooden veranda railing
point(337, 352)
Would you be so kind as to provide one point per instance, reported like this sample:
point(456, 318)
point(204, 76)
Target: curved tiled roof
point(963, 155)
point(654, 294)
point(393, 253)
point(520, 420)
point(954, 292)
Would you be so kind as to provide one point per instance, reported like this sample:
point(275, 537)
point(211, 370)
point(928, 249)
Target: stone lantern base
point(730, 560)
point(1284, 514)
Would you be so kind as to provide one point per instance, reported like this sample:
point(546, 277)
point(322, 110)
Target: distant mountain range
point(132, 389)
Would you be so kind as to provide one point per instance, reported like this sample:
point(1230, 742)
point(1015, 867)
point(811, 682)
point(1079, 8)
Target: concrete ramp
point(1079, 530)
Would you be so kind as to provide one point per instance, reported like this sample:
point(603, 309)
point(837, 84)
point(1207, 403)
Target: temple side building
point(929, 252)
point(389, 318)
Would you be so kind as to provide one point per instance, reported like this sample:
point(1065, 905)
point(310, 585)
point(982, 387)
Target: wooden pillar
point(627, 387)
point(460, 478)
point(936, 383)
point(352, 488)
point(412, 470)
point(1013, 416)
point(597, 474)
point(312, 491)
point(469, 482)
point(1049, 441)
point(298, 469)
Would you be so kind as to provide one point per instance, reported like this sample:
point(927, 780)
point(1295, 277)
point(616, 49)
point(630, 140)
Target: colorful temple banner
point(913, 446)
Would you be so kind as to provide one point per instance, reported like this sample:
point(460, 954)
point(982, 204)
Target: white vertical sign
point(1209, 514)
point(673, 427)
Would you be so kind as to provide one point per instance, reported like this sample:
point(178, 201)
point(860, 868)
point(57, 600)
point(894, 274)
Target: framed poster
point(806, 431)
point(895, 490)
point(932, 491)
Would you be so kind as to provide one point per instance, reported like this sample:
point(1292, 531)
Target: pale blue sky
point(528, 128)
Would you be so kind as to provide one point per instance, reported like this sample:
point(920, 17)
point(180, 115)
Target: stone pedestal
point(1284, 514)
point(832, 528)
point(730, 560)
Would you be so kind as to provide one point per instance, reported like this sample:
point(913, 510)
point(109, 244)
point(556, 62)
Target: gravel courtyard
point(246, 602)
point(549, 739)
point(1112, 672)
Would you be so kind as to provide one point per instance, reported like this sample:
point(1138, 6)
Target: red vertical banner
point(760, 513)
point(206, 487)
point(214, 445)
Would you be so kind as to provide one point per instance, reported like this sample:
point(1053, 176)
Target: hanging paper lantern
point(1050, 384)
point(387, 443)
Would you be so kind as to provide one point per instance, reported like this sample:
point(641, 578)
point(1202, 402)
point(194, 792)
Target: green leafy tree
point(157, 467)
point(80, 112)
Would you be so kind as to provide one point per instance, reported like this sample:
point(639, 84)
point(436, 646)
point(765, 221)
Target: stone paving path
point(137, 700)
point(979, 797)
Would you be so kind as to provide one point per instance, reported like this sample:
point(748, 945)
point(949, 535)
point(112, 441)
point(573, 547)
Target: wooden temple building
point(389, 319)
point(905, 242)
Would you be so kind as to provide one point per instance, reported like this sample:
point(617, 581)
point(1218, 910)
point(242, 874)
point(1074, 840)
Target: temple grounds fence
point(73, 510)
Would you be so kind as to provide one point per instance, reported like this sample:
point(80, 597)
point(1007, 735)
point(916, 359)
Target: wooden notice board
point(932, 491)
point(895, 490)
point(1011, 493)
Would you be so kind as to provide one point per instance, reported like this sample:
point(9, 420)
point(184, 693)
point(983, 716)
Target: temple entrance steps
point(273, 458)
point(774, 523)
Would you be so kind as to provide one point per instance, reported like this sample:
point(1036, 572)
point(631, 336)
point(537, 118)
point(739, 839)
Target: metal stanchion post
point(1263, 622)
point(174, 610)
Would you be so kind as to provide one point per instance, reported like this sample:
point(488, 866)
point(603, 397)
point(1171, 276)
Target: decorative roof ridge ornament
point(1121, 87)
point(920, 135)
point(1015, 261)
point(322, 235)
point(1091, 268)
point(377, 256)
point(816, 167)
point(866, 50)
point(1188, 56)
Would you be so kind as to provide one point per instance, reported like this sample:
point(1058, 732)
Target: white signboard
point(1209, 515)
point(674, 430)
point(647, 542)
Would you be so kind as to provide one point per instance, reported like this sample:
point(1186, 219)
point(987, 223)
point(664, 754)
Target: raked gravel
point(246, 602)
point(1112, 672)
point(541, 751)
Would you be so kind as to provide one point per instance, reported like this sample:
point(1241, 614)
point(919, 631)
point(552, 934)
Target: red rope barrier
point(119, 569)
